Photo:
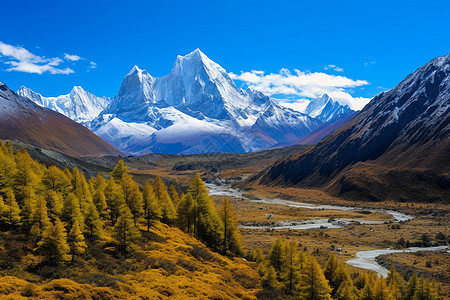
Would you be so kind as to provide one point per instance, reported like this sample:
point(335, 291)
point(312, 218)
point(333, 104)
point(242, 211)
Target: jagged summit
point(79, 105)
point(195, 108)
point(326, 109)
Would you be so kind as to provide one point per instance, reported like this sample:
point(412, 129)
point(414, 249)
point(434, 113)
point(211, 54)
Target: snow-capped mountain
point(326, 109)
point(22, 119)
point(401, 139)
point(79, 105)
point(196, 108)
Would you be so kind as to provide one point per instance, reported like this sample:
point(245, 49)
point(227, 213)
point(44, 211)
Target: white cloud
point(71, 57)
point(92, 65)
point(369, 63)
point(22, 60)
point(301, 85)
point(334, 67)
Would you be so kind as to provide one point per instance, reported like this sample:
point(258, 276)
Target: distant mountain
point(78, 105)
point(326, 109)
point(397, 147)
point(23, 120)
point(196, 108)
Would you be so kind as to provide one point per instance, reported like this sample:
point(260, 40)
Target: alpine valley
point(196, 108)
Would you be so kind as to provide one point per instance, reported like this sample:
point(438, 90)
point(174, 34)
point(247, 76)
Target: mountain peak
point(77, 89)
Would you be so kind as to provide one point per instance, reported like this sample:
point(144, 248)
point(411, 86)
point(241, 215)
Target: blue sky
point(367, 46)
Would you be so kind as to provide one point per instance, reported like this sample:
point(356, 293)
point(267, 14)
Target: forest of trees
point(58, 209)
point(61, 213)
point(287, 271)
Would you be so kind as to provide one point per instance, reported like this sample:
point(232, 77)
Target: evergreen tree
point(54, 203)
point(53, 244)
point(313, 284)
point(290, 267)
point(151, 208)
point(174, 195)
point(395, 283)
point(11, 212)
point(232, 239)
point(71, 211)
point(26, 174)
point(114, 199)
point(168, 213)
point(381, 291)
point(133, 196)
point(119, 170)
point(411, 286)
point(208, 227)
point(55, 180)
point(368, 292)
point(330, 270)
point(125, 233)
point(269, 280)
point(39, 218)
point(7, 167)
point(76, 240)
point(346, 291)
point(99, 200)
point(276, 254)
point(82, 191)
point(186, 213)
point(94, 225)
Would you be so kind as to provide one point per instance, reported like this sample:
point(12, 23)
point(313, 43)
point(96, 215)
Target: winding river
point(364, 259)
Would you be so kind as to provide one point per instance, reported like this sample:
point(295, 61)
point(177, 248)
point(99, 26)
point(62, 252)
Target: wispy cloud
point(298, 86)
point(92, 65)
point(71, 57)
point(369, 63)
point(21, 60)
point(334, 67)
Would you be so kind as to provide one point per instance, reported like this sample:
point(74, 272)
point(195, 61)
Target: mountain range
point(196, 108)
point(396, 148)
point(23, 120)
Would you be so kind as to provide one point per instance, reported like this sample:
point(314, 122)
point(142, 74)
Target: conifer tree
point(174, 195)
point(55, 203)
point(125, 233)
point(133, 196)
point(26, 174)
point(232, 239)
point(76, 240)
point(269, 280)
point(55, 180)
point(186, 213)
point(2, 207)
point(313, 284)
point(381, 290)
point(290, 267)
point(361, 280)
point(119, 170)
point(7, 167)
point(330, 270)
point(53, 244)
point(114, 199)
point(208, 226)
point(368, 292)
point(82, 191)
point(395, 283)
point(39, 218)
point(71, 211)
point(346, 291)
point(151, 208)
point(93, 223)
point(276, 254)
point(411, 286)
point(168, 213)
point(11, 212)
point(99, 200)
